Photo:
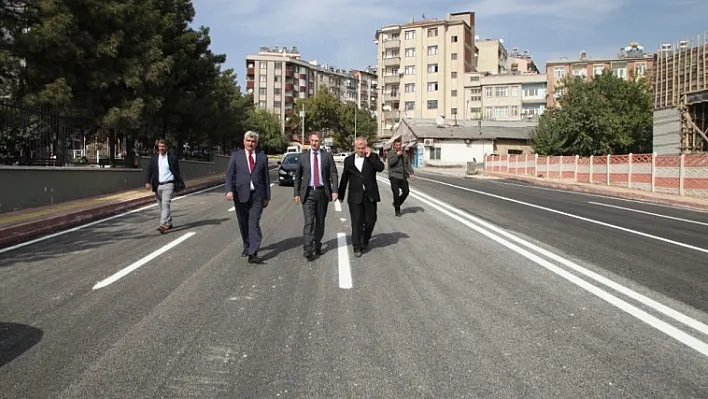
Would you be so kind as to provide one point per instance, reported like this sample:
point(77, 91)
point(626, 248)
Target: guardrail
point(684, 175)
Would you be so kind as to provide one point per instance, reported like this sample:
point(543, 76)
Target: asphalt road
point(469, 294)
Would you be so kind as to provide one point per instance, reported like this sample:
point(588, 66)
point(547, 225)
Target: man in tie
point(164, 178)
point(359, 174)
point(315, 185)
point(247, 177)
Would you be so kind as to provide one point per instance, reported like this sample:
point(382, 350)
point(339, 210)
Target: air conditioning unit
point(428, 142)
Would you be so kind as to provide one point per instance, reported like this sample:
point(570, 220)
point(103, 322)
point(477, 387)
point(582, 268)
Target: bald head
point(360, 146)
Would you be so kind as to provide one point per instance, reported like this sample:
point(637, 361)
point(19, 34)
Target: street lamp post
point(302, 122)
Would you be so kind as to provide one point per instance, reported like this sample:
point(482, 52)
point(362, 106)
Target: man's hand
point(230, 196)
point(368, 151)
point(412, 177)
point(297, 199)
point(334, 196)
point(265, 203)
point(148, 186)
point(399, 153)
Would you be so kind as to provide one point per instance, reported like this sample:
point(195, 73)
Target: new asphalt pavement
point(483, 288)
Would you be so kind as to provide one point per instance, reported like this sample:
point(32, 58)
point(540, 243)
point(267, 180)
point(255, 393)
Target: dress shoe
point(318, 251)
point(357, 253)
point(308, 254)
point(254, 259)
point(244, 253)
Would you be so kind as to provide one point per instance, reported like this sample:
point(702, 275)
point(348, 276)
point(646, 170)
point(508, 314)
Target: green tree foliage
point(326, 114)
point(134, 68)
point(269, 128)
point(605, 115)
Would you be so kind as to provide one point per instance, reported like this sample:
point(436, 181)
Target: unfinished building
point(680, 80)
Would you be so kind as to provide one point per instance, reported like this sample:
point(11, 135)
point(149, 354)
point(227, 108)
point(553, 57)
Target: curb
point(27, 231)
point(639, 196)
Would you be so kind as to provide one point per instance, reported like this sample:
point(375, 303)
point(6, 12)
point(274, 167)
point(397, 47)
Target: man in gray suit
point(247, 175)
point(315, 184)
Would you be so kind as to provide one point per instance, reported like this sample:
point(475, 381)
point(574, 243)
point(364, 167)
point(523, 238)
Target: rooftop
point(633, 51)
point(452, 19)
point(467, 129)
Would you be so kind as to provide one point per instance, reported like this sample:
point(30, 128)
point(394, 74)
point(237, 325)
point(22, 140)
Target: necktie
point(317, 171)
point(251, 161)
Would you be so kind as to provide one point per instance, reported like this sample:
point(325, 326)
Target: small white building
point(440, 143)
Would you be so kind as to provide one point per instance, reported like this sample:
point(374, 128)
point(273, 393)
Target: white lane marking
point(680, 207)
point(345, 274)
point(83, 226)
point(337, 206)
point(649, 213)
point(570, 215)
point(680, 317)
point(342, 219)
point(647, 318)
point(233, 208)
point(272, 184)
point(112, 279)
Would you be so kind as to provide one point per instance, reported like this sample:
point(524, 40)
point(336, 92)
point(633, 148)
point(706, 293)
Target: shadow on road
point(16, 339)
point(385, 239)
point(412, 209)
point(199, 223)
point(280, 247)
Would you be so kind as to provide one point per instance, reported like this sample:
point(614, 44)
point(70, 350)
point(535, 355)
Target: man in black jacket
point(164, 178)
point(359, 173)
point(399, 170)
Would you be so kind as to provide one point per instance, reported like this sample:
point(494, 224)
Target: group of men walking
point(316, 184)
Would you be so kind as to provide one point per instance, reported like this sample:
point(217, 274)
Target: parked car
point(286, 171)
point(339, 157)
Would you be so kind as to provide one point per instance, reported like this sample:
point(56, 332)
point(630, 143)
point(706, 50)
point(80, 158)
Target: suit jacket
point(399, 166)
point(328, 169)
point(358, 180)
point(152, 175)
point(239, 177)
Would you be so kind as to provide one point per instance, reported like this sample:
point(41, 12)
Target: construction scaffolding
point(680, 80)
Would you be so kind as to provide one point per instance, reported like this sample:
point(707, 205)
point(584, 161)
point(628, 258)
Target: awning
point(411, 144)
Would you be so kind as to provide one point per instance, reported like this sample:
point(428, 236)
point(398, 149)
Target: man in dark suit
point(359, 174)
point(315, 182)
point(164, 178)
point(248, 185)
point(399, 171)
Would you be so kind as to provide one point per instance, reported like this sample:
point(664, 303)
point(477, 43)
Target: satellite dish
point(440, 121)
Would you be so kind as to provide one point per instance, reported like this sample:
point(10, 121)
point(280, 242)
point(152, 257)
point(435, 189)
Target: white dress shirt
point(164, 169)
point(359, 163)
point(312, 167)
point(249, 165)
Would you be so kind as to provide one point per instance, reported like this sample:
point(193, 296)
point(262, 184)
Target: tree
point(606, 115)
point(267, 125)
point(364, 125)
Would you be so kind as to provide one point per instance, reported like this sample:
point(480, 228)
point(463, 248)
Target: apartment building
point(368, 88)
point(521, 62)
point(277, 77)
point(509, 97)
point(422, 65)
point(631, 63)
point(493, 57)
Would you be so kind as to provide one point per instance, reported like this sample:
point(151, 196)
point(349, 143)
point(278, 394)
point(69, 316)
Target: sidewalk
point(457, 171)
point(30, 223)
point(610, 191)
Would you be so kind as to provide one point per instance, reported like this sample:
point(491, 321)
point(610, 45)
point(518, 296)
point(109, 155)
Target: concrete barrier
point(24, 187)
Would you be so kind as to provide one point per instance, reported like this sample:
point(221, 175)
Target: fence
point(680, 175)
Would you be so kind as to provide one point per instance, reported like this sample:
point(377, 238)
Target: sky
point(341, 32)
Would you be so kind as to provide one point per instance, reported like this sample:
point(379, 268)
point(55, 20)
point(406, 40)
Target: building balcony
point(288, 86)
point(391, 115)
point(250, 84)
point(392, 61)
point(289, 73)
point(391, 79)
point(251, 71)
point(390, 96)
point(392, 44)
point(289, 100)
point(303, 89)
point(303, 76)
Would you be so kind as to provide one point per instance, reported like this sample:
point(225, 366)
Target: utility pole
point(302, 122)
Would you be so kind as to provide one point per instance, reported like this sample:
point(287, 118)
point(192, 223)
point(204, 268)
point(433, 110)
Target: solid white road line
point(345, 274)
point(83, 226)
point(570, 215)
point(233, 208)
point(272, 184)
point(647, 318)
point(337, 206)
point(112, 279)
point(649, 213)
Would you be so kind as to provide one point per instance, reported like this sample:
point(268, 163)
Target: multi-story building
point(521, 62)
point(493, 57)
point(368, 88)
point(509, 97)
point(421, 68)
point(631, 63)
point(277, 77)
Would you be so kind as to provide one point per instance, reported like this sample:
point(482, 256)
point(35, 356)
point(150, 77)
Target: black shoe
point(398, 212)
point(244, 253)
point(357, 253)
point(254, 259)
point(308, 254)
point(318, 251)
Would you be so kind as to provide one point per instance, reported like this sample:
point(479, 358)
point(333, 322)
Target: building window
point(278, 65)
point(410, 87)
point(640, 69)
point(435, 153)
point(514, 91)
point(409, 105)
point(410, 52)
point(453, 111)
point(474, 78)
point(432, 50)
point(432, 104)
point(488, 112)
point(502, 91)
point(453, 56)
point(530, 92)
point(410, 34)
point(432, 68)
point(262, 104)
point(489, 92)
point(277, 92)
point(263, 78)
point(597, 69)
point(276, 79)
point(432, 86)
point(433, 32)
point(276, 104)
point(501, 112)
point(410, 69)
point(514, 110)
point(453, 39)
point(453, 75)
point(263, 65)
point(262, 91)
point(558, 72)
point(454, 93)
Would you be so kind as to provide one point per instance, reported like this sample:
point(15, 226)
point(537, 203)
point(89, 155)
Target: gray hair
point(251, 134)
